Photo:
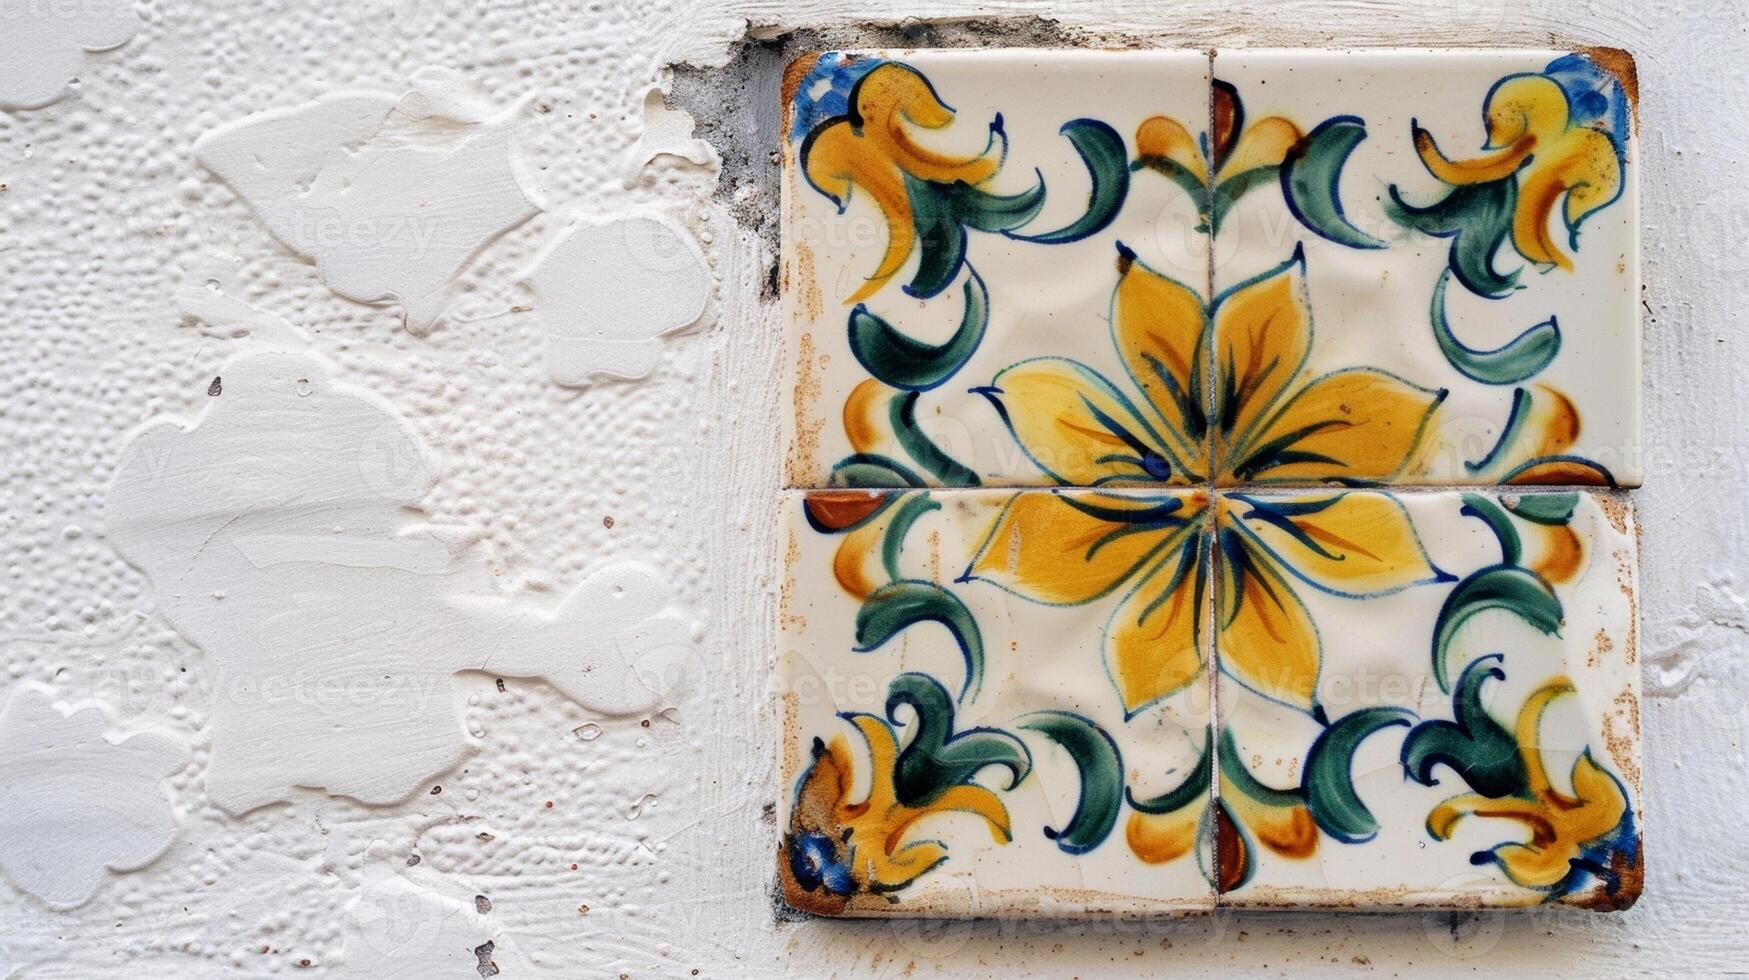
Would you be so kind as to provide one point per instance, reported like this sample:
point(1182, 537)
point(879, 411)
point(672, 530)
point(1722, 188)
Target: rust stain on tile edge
point(804, 452)
point(1620, 63)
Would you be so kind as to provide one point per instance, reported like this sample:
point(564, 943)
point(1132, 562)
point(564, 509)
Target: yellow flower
point(1070, 549)
point(1271, 422)
point(872, 148)
point(1562, 830)
point(1532, 134)
point(1268, 424)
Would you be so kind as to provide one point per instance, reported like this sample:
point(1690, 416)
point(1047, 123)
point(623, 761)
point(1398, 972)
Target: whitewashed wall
point(377, 623)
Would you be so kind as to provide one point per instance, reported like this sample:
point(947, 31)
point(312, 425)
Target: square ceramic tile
point(1427, 699)
point(989, 257)
point(995, 702)
point(1426, 267)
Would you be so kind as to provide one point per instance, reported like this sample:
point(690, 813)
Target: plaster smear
point(605, 290)
point(398, 927)
point(43, 45)
point(281, 534)
point(390, 196)
point(74, 803)
point(667, 132)
point(1707, 639)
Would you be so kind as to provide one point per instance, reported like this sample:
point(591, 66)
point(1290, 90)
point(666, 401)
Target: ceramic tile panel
point(961, 229)
point(1213, 668)
point(1445, 247)
point(1427, 699)
point(995, 702)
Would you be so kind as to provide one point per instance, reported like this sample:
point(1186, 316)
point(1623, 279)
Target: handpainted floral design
point(1555, 138)
point(1570, 839)
point(927, 197)
point(1241, 157)
point(1213, 492)
point(857, 120)
point(1267, 423)
point(873, 148)
point(838, 847)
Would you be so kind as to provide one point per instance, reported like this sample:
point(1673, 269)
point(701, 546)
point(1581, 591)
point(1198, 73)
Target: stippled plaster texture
point(579, 842)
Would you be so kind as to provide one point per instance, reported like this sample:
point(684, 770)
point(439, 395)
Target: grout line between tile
point(1211, 464)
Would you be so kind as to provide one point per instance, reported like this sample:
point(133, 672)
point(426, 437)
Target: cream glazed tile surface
point(982, 716)
point(1428, 699)
point(907, 364)
point(1464, 224)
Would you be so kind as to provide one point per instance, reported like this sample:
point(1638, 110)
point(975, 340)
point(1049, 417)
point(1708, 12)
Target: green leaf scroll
point(895, 359)
point(1328, 782)
point(1520, 358)
point(1101, 767)
point(936, 758)
point(1497, 587)
point(897, 606)
point(1311, 173)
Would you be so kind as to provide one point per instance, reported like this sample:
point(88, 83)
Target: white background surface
point(105, 216)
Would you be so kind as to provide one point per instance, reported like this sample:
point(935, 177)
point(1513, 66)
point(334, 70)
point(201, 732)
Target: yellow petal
point(1265, 143)
point(1063, 550)
point(1538, 191)
point(1157, 838)
point(1289, 831)
point(883, 750)
point(1591, 171)
point(1442, 820)
point(1079, 429)
point(1354, 543)
point(865, 418)
point(1559, 553)
point(1153, 644)
point(1581, 164)
point(856, 564)
point(1264, 637)
point(835, 159)
point(1159, 326)
point(894, 95)
point(1263, 330)
point(1602, 801)
point(1495, 166)
point(1527, 730)
point(1162, 138)
point(1526, 105)
point(1358, 424)
point(977, 801)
